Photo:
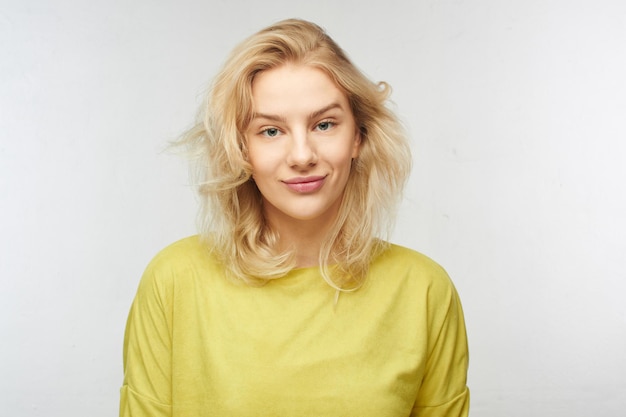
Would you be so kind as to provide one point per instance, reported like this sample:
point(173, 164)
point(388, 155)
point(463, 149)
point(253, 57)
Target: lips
point(305, 184)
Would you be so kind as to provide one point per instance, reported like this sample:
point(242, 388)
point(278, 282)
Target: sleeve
point(444, 389)
point(146, 390)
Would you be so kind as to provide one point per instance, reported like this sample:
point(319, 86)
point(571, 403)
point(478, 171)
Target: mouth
point(305, 184)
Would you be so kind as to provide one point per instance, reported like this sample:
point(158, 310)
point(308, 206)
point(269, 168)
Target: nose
point(302, 152)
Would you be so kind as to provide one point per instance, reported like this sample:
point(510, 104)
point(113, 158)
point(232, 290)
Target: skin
point(301, 143)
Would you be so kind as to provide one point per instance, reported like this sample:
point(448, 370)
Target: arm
point(147, 346)
point(444, 389)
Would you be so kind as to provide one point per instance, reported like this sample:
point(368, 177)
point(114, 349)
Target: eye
point(325, 125)
point(270, 132)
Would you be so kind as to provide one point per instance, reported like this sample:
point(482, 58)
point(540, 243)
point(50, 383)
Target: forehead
point(293, 88)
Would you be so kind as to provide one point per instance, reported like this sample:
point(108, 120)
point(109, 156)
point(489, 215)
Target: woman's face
point(301, 142)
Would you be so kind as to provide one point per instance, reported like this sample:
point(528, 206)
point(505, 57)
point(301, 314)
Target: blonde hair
point(231, 214)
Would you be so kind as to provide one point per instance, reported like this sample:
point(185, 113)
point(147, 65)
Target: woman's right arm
point(147, 351)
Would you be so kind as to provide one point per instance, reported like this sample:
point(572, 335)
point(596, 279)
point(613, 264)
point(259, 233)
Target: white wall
point(517, 113)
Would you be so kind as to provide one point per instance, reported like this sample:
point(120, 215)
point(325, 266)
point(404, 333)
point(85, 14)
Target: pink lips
point(305, 184)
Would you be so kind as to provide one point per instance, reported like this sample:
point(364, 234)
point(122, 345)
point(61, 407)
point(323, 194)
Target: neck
point(304, 237)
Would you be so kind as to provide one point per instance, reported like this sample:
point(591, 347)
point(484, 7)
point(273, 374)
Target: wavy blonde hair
point(231, 214)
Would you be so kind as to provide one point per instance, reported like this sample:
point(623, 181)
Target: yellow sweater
point(198, 344)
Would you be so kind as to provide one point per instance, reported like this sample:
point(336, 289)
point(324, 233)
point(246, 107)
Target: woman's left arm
point(444, 389)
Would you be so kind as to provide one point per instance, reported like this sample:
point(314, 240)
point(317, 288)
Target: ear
point(356, 146)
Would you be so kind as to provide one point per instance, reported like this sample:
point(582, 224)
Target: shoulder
point(397, 257)
point(183, 248)
point(179, 260)
point(412, 268)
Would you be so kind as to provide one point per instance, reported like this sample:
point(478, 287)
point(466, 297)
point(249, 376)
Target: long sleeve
point(147, 352)
point(444, 389)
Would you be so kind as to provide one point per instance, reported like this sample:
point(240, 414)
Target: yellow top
point(199, 344)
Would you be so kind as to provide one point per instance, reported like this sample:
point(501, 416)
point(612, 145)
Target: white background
point(517, 113)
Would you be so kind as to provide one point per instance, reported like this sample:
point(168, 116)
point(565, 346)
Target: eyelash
point(330, 124)
point(265, 131)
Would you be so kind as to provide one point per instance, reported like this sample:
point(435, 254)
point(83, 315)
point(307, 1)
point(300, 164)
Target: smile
point(305, 184)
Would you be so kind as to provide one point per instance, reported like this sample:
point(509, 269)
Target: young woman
point(289, 303)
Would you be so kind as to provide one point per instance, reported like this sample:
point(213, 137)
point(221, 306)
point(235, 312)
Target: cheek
point(262, 166)
point(346, 155)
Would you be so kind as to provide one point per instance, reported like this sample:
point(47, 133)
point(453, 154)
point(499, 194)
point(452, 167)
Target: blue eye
point(271, 132)
point(326, 125)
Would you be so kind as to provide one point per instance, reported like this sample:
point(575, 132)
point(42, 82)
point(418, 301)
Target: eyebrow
point(324, 110)
point(313, 115)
